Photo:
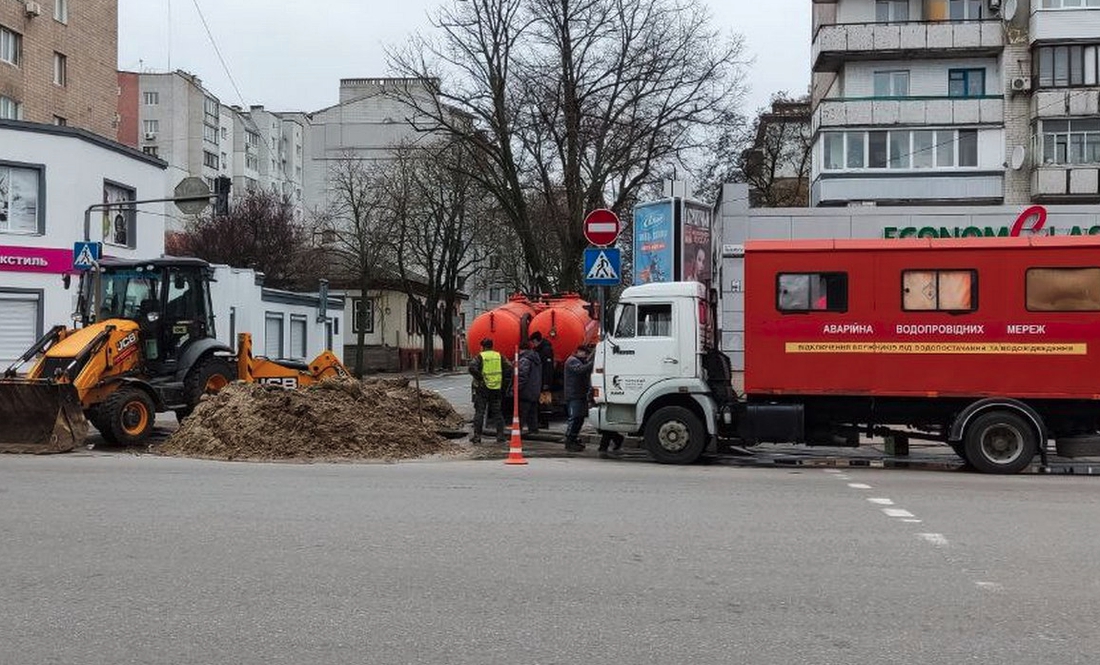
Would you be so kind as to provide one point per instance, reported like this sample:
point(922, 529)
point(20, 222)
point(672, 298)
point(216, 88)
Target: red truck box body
point(999, 344)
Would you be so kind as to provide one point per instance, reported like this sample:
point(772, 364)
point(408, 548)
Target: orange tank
point(567, 324)
point(504, 325)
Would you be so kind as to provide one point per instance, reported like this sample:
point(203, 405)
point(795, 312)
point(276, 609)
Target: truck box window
point(1063, 289)
point(812, 292)
point(939, 290)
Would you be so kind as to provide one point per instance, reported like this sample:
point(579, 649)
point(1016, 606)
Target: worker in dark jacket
point(578, 383)
point(490, 371)
point(546, 352)
point(530, 386)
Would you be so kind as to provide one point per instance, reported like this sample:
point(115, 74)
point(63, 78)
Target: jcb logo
point(288, 382)
point(126, 342)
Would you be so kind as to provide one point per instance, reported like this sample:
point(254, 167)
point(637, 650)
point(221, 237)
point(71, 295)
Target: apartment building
point(57, 63)
point(174, 117)
point(955, 101)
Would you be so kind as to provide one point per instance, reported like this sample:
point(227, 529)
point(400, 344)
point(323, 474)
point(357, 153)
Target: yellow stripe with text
point(946, 348)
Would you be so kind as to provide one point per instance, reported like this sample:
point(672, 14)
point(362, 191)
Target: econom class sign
point(1031, 222)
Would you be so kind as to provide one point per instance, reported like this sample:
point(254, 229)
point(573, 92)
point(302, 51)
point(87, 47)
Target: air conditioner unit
point(150, 136)
point(33, 9)
point(1021, 84)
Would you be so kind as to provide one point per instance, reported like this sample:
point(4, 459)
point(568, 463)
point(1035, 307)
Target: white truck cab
point(652, 371)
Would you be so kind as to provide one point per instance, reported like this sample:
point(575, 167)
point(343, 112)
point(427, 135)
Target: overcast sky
point(292, 57)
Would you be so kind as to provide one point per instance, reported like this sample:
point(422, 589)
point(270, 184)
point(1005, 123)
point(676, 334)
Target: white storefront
point(735, 223)
point(48, 177)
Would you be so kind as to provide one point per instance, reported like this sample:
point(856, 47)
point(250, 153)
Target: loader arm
point(285, 374)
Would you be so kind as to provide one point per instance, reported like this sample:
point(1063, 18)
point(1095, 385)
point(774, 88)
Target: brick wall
point(89, 40)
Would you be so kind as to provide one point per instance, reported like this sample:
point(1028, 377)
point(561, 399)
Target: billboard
point(655, 242)
point(695, 242)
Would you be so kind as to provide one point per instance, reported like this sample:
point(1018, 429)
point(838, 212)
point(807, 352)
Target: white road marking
point(859, 486)
point(936, 539)
point(897, 512)
point(882, 502)
point(914, 521)
point(989, 586)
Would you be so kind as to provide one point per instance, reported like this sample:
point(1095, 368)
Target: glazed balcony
point(908, 111)
point(834, 44)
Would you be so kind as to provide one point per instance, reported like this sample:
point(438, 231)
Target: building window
point(60, 121)
point(273, 334)
point(225, 133)
point(965, 10)
point(250, 162)
point(901, 149)
point(965, 82)
point(413, 312)
point(151, 126)
point(812, 292)
point(210, 110)
point(362, 315)
point(939, 290)
point(225, 161)
point(60, 69)
point(251, 138)
point(151, 98)
point(210, 134)
point(1071, 141)
point(209, 159)
point(1063, 289)
point(19, 204)
point(11, 46)
point(61, 10)
point(298, 327)
point(891, 83)
point(1070, 4)
point(10, 109)
point(118, 219)
point(1065, 66)
point(150, 150)
point(891, 10)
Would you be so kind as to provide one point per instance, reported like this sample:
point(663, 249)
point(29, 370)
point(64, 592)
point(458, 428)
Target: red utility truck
point(991, 345)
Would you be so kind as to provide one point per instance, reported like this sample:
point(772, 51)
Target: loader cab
point(168, 297)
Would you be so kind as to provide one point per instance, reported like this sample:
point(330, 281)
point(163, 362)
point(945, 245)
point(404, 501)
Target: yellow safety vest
point(491, 371)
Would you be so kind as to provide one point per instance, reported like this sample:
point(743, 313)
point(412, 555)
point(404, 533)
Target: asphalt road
point(115, 558)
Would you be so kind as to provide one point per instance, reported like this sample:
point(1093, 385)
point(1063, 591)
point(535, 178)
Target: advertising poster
point(695, 244)
point(654, 242)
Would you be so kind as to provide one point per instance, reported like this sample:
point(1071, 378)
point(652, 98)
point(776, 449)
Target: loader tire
point(127, 416)
point(206, 377)
point(95, 417)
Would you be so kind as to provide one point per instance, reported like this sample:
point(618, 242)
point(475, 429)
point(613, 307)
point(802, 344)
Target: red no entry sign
point(601, 227)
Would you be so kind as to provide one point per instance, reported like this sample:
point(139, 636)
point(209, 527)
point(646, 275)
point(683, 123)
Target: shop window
point(118, 219)
point(362, 313)
point(939, 290)
point(1063, 289)
point(20, 208)
point(298, 328)
point(812, 292)
point(273, 335)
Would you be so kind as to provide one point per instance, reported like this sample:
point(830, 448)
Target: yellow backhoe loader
point(145, 345)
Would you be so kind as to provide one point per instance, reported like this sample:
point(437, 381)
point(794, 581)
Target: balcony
point(908, 111)
point(1054, 184)
point(929, 188)
point(834, 44)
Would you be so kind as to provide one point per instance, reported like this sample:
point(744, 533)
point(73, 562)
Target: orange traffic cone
point(515, 446)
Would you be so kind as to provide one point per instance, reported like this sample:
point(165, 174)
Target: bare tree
point(437, 220)
point(259, 232)
point(358, 232)
point(573, 104)
point(777, 166)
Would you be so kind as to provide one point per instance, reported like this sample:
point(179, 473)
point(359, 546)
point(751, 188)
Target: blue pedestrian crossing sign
point(602, 266)
point(86, 255)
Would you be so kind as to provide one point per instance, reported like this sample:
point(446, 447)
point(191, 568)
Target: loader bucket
point(40, 417)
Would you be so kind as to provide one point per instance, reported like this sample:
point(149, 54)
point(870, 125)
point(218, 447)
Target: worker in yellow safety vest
point(491, 372)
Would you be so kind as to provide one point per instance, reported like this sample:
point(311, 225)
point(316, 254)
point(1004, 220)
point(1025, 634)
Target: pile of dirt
point(333, 419)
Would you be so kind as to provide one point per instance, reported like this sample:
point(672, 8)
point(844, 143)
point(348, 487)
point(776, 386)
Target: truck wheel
point(1000, 442)
point(674, 435)
point(960, 449)
point(206, 377)
point(127, 416)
